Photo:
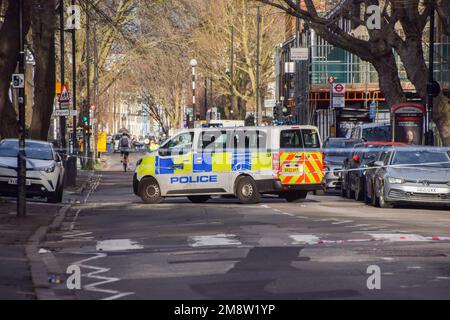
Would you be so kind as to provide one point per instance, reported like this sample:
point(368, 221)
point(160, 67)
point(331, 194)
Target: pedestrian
point(81, 151)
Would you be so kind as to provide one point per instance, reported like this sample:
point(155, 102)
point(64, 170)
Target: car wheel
point(57, 196)
point(382, 203)
point(343, 191)
point(367, 199)
point(295, 196)
point(247, 191)
point(350, 193)
point(358, 192)
point(199, 199)
point(149, 191)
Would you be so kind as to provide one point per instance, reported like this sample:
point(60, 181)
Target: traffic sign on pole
point(64, 97)
point(338, 93)
point(18, 81)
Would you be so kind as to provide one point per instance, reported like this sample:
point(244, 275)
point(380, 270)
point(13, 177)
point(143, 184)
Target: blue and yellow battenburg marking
point(207, 162)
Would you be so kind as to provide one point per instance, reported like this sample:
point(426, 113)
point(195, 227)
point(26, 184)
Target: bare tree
point(402, 31)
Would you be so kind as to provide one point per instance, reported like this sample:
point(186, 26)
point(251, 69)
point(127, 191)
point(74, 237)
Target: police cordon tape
point(247, 153)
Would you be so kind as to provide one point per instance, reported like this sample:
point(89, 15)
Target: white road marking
point(265, 206)
point(77, 236)
point(304, 238)
point(214, 240)
point(72, 225)
point(118, 245)
point(104, 280)
point(342, 222)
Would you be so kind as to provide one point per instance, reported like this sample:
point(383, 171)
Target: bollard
point(71, 171)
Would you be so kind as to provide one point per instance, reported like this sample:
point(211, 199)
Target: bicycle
point(125, 160)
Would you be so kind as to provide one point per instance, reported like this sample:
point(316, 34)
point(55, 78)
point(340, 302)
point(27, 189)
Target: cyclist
point(125, 145)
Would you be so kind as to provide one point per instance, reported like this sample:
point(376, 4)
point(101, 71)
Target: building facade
point(360, 78)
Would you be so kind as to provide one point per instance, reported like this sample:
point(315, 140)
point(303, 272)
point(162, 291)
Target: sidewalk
point(19, 238)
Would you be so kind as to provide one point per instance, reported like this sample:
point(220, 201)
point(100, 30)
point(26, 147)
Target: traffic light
point(85, 114)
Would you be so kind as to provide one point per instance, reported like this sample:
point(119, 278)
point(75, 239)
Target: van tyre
point(247, 191)
point(149, 191)
point(295, 196)
point(199, 199)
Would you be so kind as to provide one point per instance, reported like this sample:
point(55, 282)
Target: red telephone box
point(408, 123)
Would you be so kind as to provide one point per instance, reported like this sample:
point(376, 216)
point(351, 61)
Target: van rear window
point(304, 138)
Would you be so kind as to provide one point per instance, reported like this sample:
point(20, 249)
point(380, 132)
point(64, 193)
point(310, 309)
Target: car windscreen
point(435, 159)
point(380, 133)
point(33, 150)
point(296, 138)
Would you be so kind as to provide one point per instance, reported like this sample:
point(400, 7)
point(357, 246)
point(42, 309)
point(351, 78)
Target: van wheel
point(149, 191)
point(247, 191)
point(295, 196)
point(199, 199)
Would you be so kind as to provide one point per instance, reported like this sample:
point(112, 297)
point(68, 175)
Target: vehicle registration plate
point(292, 170)
point(427, 190)
point(14, 181)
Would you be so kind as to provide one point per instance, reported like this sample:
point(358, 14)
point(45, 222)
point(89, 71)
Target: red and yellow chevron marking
point(311, 167)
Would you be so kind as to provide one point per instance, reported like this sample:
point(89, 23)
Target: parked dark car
point(336, 151)
point(355, 166)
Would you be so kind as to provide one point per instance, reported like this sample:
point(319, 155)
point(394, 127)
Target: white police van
point(241, 161)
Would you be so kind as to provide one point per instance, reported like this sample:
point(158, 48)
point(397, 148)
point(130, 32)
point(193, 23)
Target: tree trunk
point(390, 84)
point(43, 26)
point(9, 51)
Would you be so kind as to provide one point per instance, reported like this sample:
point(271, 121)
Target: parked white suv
point(45, 170)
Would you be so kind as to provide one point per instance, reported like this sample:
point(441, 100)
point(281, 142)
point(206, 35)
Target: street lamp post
point(193, 64)
point(21, 161)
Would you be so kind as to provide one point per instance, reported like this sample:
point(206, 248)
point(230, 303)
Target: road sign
point(331, 80)
point(299, 54)
point(338, 93)
point(61, 113)
point(338, 89)
point(64, 97)
point(18, 81)
point(65, 113)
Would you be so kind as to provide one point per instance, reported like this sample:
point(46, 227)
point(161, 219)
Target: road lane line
point(214, 240)
point(118, 245)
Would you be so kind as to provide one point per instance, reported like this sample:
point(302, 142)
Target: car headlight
point(393, 180)
point(49, 169)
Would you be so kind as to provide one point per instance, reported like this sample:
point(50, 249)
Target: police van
point(241, 161)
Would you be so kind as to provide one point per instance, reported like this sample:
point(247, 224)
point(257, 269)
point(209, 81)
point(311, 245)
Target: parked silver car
point(413, 175)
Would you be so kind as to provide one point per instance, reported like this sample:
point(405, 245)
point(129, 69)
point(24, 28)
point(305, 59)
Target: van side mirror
point(378, 163)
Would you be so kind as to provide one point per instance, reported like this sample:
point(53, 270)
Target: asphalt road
point(318, 249)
